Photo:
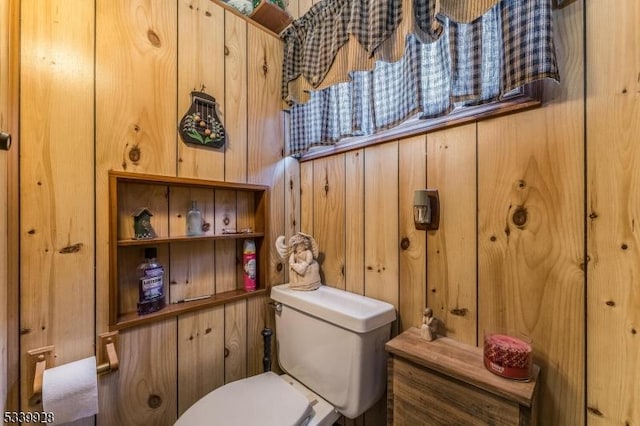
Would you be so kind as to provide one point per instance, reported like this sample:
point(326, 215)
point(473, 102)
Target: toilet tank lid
point(348, 310)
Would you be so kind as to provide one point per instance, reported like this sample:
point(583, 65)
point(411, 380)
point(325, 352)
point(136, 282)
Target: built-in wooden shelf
point(181, 238)
point(266, 16)
point(132, 319)
point(224, 205)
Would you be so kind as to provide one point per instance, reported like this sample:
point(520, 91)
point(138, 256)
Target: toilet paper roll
point(70, 391)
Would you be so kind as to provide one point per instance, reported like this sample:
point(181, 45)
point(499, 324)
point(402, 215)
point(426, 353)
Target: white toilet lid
point(264, 400)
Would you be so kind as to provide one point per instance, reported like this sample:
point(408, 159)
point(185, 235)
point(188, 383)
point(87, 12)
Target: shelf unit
point(266, 15)
point(205, 265)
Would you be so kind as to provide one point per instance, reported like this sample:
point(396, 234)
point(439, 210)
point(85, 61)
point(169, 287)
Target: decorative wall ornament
point(201, 125)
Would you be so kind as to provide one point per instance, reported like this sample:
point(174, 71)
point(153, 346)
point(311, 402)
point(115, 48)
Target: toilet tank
point(333, 342)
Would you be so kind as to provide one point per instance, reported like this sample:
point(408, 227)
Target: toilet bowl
point(331, 345)
point(266, 399)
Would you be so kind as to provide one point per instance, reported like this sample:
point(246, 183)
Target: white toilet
point(330, 344)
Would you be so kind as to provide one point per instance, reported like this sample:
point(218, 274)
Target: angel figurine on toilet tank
point(301, 252)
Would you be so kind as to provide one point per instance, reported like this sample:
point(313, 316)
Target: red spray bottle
point(249, 264)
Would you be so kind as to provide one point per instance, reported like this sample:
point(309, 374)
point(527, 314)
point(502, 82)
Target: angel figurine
point(429, 326)
point(302, 252)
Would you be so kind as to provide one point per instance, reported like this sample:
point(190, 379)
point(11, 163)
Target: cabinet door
point(424, 397)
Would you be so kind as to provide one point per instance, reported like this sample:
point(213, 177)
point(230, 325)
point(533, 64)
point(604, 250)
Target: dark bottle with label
point(151, 283)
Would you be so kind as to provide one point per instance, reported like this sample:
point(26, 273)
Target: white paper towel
point(70, 391)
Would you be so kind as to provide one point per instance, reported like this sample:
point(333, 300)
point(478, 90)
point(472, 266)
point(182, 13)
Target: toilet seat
point(264, 400)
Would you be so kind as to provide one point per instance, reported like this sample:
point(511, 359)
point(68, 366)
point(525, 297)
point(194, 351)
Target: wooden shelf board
point(130, 177)
point(185, 238)
point(132, 319)
point(248, 17)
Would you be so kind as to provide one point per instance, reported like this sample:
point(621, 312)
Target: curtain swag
point(407, 57)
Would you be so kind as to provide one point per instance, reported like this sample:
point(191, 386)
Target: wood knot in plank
point(520, 217)
point(154, 401)
point(461, 312)
point(134, 154)
point(265, 68)
point(405, 243)
point(74, 248)
point(595, 411)
point(226, 352)
point(153, 38)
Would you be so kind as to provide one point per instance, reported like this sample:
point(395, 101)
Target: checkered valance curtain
point(406, 58)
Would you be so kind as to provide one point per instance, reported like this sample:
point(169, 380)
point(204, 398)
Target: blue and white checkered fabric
point(445, 64)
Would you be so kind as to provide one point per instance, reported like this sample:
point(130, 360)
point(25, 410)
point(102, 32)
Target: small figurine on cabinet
point(302, 252)
point(429, 326)
point(142, 224)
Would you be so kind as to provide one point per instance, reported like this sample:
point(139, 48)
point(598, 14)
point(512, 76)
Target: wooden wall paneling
point(235, 341)
point(143, 391)
point(329, 217)
point(306, 197)
point(381, 218)
point(530, 278)
point(235, 123)
point(9, 81)
point(412, 158)
point(451, 250)
point(613, 129)
point(135, 106)
point(266, 135)
point(56, 243)
point(259, 316)
point(4, 277)
point(200, 68)
point(201, 363)
point(381, 242)
point(265, 166)
point(531, 228)
point(10, 123)
point(135, 110)
point(354, 221)
point(291, 204)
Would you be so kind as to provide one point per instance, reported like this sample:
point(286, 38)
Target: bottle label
point(152, 284)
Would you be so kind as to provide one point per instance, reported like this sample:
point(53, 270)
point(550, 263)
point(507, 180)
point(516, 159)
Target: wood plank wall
point(613, 206)
point(4, 127)
point(109, 82)
point(482, 269)
point(515, 232)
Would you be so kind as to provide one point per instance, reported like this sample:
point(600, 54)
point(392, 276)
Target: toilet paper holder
point(42, 358)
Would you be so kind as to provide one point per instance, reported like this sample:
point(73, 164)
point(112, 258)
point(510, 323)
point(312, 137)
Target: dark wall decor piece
point(201, 125)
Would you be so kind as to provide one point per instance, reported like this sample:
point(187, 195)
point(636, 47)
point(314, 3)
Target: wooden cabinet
point(207, 265)
point(444, 382)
